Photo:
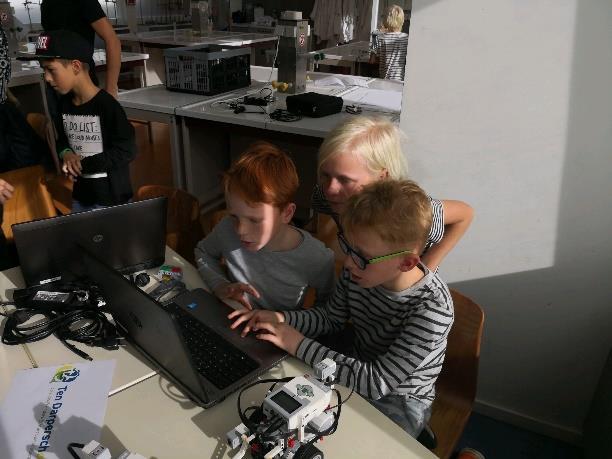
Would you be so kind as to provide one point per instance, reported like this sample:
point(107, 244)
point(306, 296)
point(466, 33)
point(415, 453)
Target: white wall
point(508, 106)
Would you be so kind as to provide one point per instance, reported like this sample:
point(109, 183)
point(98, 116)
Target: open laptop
point(131, 237)
point(189, 339)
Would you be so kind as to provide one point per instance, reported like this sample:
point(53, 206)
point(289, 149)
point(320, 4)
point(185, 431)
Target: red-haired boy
point(269, 263)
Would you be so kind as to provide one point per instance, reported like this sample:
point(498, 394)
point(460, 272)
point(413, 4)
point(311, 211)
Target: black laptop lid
point(152, 329)
point(129, 237)
point(149, 327)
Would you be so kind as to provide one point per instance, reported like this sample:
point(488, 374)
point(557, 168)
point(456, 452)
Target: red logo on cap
point(43, 42)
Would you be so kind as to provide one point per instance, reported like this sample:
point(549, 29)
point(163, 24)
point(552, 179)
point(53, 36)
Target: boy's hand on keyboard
point(253, 318)
point(282, 335)
point(237, 292)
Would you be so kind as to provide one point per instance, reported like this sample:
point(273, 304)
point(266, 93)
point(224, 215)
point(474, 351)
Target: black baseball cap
point(60, 44)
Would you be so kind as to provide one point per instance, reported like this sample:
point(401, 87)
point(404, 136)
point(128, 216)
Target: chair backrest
point(183, 230)
point(597, 440)
point(456, 385)
point(459, 374)
point(44, 128)
point(31, 199)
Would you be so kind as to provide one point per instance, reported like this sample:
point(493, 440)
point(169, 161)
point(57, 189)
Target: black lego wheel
point(308, 452)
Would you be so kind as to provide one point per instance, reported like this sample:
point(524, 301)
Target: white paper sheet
point(342, 80)
point(48, 408)
point(380, 98)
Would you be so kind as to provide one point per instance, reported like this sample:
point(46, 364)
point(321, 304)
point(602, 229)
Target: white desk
point(131, 365)
point(154, 418)
point(12, 358)
point(186, 37)
point(348, 55)
point(27, 73)
point(156, 103)
point(210, 131)
point(153, 43)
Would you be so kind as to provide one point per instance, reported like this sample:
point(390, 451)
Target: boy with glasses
point(401, 312)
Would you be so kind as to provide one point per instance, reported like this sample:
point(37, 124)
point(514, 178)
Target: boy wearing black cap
point(95, 139)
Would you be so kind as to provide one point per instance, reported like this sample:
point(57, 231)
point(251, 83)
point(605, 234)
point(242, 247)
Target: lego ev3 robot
point(290, 419)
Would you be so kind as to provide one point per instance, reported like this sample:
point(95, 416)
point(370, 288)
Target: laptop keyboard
point(214, 357)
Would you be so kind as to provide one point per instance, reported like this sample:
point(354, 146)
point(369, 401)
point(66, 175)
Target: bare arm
point(113, 53)
point(457, 219)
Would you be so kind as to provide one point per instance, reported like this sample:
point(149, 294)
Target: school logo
point(66, 374)
point(42, 42)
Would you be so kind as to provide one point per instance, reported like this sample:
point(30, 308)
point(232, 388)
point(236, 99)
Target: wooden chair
point(44, 128)
point(456, 385)
point(183, 228)
point(596, 437)
point(31, 199)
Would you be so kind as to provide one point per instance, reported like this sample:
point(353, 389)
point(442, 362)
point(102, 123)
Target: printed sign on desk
point(48, 408)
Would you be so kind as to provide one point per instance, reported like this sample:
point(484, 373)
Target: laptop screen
point(129, 237)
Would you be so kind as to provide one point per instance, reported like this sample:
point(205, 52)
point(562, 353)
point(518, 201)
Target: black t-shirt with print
point(100, 133)
point(75, 15)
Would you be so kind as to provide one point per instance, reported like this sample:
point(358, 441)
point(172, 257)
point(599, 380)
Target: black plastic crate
point(207, 69)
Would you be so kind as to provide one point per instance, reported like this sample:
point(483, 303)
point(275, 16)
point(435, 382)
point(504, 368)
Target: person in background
point(364, 149)
point(86, 18)
point(390, 45)
point(19, 146)
point(270, 263)
point(401, 312)
point(95, 140)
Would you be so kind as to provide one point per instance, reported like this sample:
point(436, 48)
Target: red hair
point(263, 173)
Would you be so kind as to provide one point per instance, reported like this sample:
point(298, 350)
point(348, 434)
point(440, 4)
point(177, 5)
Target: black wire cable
point(343, 364)
point(284, 115)
point(71, 450)
point(87, 325)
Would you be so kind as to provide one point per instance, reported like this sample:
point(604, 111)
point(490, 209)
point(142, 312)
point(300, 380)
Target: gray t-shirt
point(281, 278)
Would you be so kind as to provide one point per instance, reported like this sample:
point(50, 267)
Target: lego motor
point(291, 418)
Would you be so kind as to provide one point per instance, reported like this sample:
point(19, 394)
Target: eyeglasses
point(361, 261)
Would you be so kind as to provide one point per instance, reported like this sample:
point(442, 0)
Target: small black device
point(142, 279)
point(259, 101)
point(314, 105)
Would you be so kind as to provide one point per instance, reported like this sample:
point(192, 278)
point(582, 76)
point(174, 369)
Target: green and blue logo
point(65, 374)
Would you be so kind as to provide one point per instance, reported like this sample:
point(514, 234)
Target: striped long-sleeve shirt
point(391, 49)
point(436, 233)
point(400, 337)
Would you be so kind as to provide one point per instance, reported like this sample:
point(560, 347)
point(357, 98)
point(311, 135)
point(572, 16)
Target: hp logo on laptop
point(98, 238)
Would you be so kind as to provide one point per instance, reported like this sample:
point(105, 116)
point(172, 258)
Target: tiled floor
point(498, 440)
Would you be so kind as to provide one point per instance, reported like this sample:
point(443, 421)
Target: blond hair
point(398, 211)
point(375, 140)
point(394, 19)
